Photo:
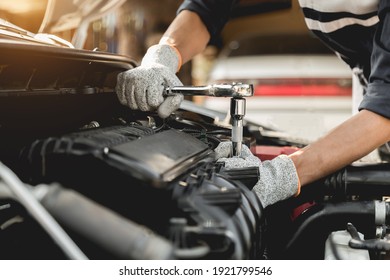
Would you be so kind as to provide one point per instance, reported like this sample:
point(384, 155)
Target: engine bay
point(126, 184)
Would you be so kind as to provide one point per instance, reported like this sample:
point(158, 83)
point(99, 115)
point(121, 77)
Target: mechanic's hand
point(142, 88)
point(278, 177)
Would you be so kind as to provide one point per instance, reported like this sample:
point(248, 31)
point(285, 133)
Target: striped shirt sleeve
point(359, 31)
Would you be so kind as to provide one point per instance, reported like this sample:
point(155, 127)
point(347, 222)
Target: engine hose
point(364, 180)
point(370, 244)
point(335, 216)
point(116, 234)
point(21, 192)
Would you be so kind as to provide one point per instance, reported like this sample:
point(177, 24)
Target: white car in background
point(301, 86)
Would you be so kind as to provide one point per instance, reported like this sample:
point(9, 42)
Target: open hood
point(66, 15)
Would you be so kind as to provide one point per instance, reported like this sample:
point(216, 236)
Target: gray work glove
point(278, 177)
point(142, 88)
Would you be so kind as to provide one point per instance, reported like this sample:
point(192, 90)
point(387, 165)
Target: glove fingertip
point(170, 104)
point(155, 96)
point(223, 150)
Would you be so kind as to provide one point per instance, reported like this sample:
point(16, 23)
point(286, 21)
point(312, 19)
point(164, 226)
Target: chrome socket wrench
point(236, 91)
point(237, 113)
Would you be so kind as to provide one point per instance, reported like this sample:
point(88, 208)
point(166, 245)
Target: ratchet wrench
point(237, 92)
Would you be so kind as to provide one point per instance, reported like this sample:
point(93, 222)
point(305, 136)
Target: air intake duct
point(363, 180)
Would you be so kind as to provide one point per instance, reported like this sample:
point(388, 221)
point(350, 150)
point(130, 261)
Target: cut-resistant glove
point(278, 178)
point(142, 88)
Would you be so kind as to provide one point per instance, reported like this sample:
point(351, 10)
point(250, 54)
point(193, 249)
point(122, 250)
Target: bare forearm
point(188, 34)
point(346, 143)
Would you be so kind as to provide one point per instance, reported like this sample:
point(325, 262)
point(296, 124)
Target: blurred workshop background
point(301, 87)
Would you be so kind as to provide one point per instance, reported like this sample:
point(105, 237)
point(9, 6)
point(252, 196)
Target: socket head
point(242, 90)
point(237, 107)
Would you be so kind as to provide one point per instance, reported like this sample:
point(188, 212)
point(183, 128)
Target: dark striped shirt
point(357, 30)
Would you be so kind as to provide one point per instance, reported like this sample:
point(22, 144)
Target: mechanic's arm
point(197, 21)
point(348, 142)
point(364, 132)
point(188, 34)
point(283, 176)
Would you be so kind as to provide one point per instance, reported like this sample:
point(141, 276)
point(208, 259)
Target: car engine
point(124, 184)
